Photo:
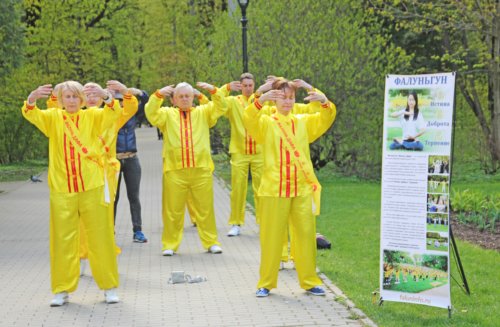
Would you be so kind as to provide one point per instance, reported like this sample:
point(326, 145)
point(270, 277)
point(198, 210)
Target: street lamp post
point(243, 6)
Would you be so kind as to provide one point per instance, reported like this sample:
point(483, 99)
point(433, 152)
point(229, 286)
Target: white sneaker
point(83, 265)
point(111, 296)
point(282, 265)
point(215, 249)
point(168, 253)
point(59, 299)
point(234, 231)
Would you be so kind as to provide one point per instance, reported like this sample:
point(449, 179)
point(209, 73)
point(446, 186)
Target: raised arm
point(217, 107)
point(107, 117)
point(318, 123)
point(202, 98)
point(152, 108)
point(130, 102)
point(42, 119)
point(304, 108)
point(130, 107)
point(256, 115)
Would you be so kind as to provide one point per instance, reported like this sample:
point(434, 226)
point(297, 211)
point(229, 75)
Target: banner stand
point(416, 181)
point(464, 286)
point(458, 262)
point(453, 244)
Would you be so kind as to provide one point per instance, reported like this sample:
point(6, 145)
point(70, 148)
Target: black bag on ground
point(322, 242)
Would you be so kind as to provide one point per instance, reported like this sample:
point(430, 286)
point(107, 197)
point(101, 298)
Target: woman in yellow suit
point(289, 189)
point(298, 108)
point(108, 139)
point(76, 182)
point(187, 162)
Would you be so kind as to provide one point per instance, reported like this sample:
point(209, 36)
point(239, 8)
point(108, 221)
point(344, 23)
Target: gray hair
point(183, 85)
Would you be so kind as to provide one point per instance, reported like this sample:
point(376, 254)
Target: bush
point(476, 208)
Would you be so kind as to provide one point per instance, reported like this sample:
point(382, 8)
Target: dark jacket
point(126, 136)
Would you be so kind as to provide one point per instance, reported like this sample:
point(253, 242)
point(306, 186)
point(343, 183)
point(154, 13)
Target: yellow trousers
point(66, 212)
point(240, 163)
point(84, 247)
point(177, 184)
point(285, 253)
point(275, 214)
point(191, 209)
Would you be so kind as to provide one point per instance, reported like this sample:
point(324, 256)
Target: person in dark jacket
point(126, 152)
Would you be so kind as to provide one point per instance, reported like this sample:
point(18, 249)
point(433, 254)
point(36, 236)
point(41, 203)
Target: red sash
point(303, 165)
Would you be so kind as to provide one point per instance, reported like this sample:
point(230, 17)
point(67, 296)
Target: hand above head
point(134, 91)
point(235, 86)
point(55, 89)
point(272, 78)
point(42, 91)
point(315, 96)
point(205, 86)
point(300, 83)
point(116, 86)
point(196, 93)
point(96, 90)
point(265, 87)
point(167, 91)
point(272, 95)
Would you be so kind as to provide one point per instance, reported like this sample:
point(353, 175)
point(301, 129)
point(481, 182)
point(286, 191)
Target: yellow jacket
point(241, 141)
point(108, 137)
point(186, 137)
point(75, 152)
point(130, 107)
point(281, 176)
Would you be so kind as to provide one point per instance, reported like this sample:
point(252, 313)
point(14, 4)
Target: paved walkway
point(225, 299)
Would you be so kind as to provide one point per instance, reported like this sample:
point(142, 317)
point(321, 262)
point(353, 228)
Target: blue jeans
point(131, 171)
point(407, 145)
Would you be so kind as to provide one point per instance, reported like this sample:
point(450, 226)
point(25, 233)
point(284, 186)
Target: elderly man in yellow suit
point(187, 162)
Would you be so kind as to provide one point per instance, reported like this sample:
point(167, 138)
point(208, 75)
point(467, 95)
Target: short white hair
point(182, 85)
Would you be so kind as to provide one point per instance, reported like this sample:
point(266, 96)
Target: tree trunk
point(494, 83)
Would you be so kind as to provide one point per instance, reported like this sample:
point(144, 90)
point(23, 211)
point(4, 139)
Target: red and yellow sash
point(300, 159)
point(91, 153)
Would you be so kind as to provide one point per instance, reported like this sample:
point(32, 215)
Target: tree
point(462, 36)
point(330, 46)
point(11, 37)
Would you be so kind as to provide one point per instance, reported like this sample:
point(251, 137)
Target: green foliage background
point(344, 48)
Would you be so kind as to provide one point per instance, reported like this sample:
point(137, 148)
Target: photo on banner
point(417, 142)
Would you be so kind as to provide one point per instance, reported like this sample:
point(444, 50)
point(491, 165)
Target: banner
point(414, 243)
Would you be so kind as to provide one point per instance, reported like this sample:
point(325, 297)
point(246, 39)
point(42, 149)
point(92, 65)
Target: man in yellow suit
point(187, 162)
point(245, 152)
point(77, 186)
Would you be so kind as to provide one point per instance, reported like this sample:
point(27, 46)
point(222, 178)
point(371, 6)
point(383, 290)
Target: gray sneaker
point(234, 231)
point(215, 249)
point(59, 299)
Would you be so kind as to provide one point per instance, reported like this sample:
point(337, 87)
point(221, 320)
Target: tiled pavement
point(227, 298)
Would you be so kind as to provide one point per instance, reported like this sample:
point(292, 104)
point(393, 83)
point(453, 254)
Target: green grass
point(22, 171)
point(350, 219)
point(468, 175)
